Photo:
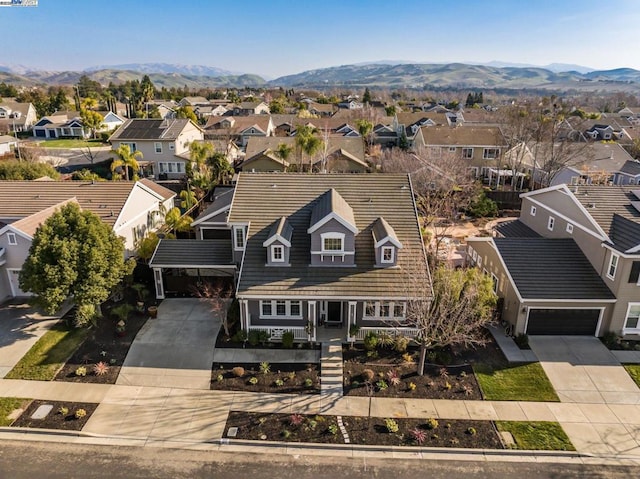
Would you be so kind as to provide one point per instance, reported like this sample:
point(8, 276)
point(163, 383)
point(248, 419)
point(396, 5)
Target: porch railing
point(406, 332)
point(276, 332)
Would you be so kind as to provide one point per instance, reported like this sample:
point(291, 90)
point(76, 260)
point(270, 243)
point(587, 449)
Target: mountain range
point(388, 74)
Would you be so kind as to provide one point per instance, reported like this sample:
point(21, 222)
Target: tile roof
point(258, 144)
point(463, 136)
point(30, 224)
point(381, 230)
point(281, 228)
point(194, 253)
point(611, 207)
point(331, 203)
point(549, 268)
point(150, 129)
point(106, 199)
point(515, 229)
point(262, 198)
point(165, 193)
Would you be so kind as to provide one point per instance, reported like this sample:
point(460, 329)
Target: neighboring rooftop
point(463, 136)
point(192, 253)
point(549, 268)
point(515, 229)
point(150, 129)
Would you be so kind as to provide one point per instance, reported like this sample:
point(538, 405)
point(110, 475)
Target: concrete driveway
point(583, 370)
point(20, 327)
point(175, 350)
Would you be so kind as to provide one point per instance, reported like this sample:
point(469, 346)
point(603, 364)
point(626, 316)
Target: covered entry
point(559, 321)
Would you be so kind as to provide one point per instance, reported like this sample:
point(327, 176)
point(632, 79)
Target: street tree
point(126, 159)
point(92, 121)
point(462, 304)
point(74, 254)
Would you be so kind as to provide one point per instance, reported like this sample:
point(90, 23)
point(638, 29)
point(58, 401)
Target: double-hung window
point(277, 254)
point(280, 308)
point(613, 266)
point(633, 316)
point(387, 254)
point(238, 238)
point(490, 153)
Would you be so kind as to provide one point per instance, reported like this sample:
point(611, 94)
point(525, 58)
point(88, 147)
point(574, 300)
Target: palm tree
point(188, 199)
point(283, 151)
point(199, 152)
point(220, 166)
point(176, 222)
point(365, 127)
point(126, 159)
point(308, 142)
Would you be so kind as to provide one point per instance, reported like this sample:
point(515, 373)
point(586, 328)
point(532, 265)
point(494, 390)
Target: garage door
point(563, 321)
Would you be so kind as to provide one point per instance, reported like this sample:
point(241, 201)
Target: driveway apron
point(583, 370)
point(175, 350)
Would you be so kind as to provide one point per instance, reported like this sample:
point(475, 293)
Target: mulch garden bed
point(293, 378)
point(448, 373)
point(58, 418)
point(102, 345)
point(364, 430)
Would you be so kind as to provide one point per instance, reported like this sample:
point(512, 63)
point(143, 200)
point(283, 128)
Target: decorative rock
point(42, 412)
point(232, 432)
point(507, 438)
point(263, 437)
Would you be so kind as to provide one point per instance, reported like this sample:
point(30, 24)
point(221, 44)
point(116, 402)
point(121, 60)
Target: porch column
point(244, 314)
point(351, 320)
point(311, 320)
point(157, 276)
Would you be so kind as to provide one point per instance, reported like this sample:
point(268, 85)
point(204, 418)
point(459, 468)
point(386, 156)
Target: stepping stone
point(42, 411)
point(232, 432)
point(507, 438)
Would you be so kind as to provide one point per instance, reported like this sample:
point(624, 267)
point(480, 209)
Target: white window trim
point(393, 254)
point(464, 153)
point(569, 228)
point(157, 147)
point(613, 259)
point(635, 330)
point(378, 307)
point(551, 222)
point(332, 235)
point(533, 210)
point(275, 248)
point(236, 245)
point(496, 283)
point(287, 314)
point(485, 153)
point(12, 239)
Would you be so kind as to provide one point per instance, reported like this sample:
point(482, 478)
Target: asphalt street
point(28, 460)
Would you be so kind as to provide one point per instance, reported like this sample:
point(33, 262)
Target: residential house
point(629, 173)
point(311, 251)
point(165, 108)
point(161, 143)
point(339, 155)
point(193, 101)
point(238, 128)
point(351, 104)
point(132, 209)
point(570, 264)
point(250, 108)
point(16, 116)
point(7, 144)
point(321, 109)
point(481, 147)
point(69, 125)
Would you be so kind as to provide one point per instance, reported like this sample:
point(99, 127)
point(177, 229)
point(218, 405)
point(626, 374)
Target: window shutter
point(635, 272)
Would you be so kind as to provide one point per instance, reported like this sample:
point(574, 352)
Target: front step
point(331, 368)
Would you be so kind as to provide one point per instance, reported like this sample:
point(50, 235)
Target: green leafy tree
point(283, 151)
point(24, 170)
point(188, 199)
point(366, 97)
point(126, 159)
point(147, 245)
point(74, 254)
point(463, 303)
point(86, 175)
point(390, 110)
point(92, 121)
point(483, 207)
point(175, 221)
point(186, 112)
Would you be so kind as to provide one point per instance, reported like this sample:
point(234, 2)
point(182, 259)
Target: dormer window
point(386, 244)
point(277, 254)
point(332, 242)
point(388, 254)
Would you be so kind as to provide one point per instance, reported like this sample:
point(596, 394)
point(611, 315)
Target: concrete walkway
point(509, 348)
point(176, 349)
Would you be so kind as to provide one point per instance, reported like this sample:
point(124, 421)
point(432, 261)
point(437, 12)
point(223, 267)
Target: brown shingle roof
point(30, 224)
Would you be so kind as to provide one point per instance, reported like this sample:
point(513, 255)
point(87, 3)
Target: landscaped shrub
point(81, 371)
point(401, 344)
point(385, 340)
point(238, 371)
point(368, 374)
point(240, 336)
point(432, 423)
point(393, 377)
point(610, 340)
point(418, 435)
point(253, 380)
point(370, 341)
point(80, 413)
point(265, 367)
point(287, 339)
point(258, 337)
point(391, 425)
point(101, 368)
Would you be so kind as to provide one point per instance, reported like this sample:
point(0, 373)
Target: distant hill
point(456, 75)
point(193, 70)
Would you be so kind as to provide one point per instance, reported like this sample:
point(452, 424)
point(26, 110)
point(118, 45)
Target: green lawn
point(523, 382)
point(47, 356)
point(7, 405)
point(634, 372)
point(69, 143)
point(540, 435)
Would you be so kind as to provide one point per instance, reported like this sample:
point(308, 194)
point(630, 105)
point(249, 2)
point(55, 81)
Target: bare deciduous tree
point(218, 295)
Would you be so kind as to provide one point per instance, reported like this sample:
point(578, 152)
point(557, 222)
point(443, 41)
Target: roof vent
point(404, 187)
point(591, 205)
point(274, 186)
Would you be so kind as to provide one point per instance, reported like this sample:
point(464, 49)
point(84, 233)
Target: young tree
point(74, 254)
point(365, 128)
point(188, 199)
point(462, 305)
point(175, 221)
point(126, 159)
point(366, 97)
point(92, 121)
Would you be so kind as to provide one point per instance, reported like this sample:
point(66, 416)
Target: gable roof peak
point(331, 205)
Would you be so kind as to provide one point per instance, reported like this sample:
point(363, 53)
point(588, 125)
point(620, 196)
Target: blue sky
point(278, 37)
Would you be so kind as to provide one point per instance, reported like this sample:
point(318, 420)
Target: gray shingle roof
point(546, 268)
point(515, 229)
point(262, 198)
point(192, 253)
point(607, 205)
point(221, 202)
point(631, 167)
point(332, 203)
point(282, 228)
point(381, 229)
